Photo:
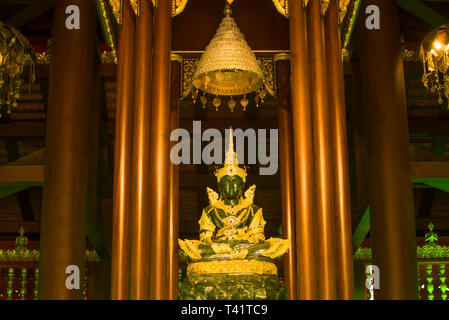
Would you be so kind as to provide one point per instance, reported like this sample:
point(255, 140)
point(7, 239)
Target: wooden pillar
point(287, 173)
point(341, 194)
point(393, 234)
point(322, 154)
point(63, 228)
point(160, 153)
point(303, 155)
point(173, 194)
point(140, 175)
point(122, 158)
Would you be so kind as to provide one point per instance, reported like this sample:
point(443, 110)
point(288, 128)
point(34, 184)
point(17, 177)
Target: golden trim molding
point(342, 9)
point(176, 57)
point(324, 4)
point(282, 7)
point(232, 267)
point(178, 6)
point(281, 56)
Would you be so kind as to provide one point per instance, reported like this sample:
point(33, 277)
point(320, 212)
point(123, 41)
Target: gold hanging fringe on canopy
point(117, 7)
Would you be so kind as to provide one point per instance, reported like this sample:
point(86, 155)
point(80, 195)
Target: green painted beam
point(9, 190)
point(94, 233)
point(361, 230)
point(444, 186)
point(423, 12)
point(438, 183)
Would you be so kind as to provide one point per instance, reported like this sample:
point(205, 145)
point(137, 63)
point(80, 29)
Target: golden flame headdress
point(231, 165)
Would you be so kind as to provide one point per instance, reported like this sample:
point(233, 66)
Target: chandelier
point(434, 53)
point(228, 68)
point(15, 53)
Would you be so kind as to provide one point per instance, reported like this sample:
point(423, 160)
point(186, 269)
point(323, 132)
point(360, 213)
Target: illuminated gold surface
point(232, 267)
point(228, 66)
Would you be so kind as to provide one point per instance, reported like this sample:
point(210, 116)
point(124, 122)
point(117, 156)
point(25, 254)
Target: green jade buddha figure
point(232, 240)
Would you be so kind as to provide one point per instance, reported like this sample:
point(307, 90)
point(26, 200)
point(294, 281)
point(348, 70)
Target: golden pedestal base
point(232, 267)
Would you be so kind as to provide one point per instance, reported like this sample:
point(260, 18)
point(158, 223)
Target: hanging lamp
point(228, 69)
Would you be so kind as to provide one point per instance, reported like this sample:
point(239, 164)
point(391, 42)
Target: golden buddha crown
point(231, 165)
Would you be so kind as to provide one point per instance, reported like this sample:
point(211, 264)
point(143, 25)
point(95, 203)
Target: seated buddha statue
point(232, 239)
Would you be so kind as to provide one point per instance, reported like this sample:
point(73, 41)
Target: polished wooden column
point(173, 194)
point(322, 152)
point(303, 155)
point(122, 158)
point(286, 166)
point(160, 153)
point(140, 177)
point(341, 196)
point(63, 226)
point(393, 234)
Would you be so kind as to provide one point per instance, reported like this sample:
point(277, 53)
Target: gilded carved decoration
point(189, 66)
point(324, 4)
point(426, 251)
point(430, 250)
point(22, 253)
point(107, 27)
point(117, 7)
point(348, 24)
point(135, 4)
point(232, 267)
point(281, 7)
point(178, 6)
point(342, 9)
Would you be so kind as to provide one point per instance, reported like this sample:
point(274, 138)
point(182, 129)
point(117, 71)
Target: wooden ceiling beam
point(29, 13)
point(428, 125)
point(17, 2)
point(36, 129)
point(430, 170)
point(19, 175)
point(423, 12)
point(13, 227)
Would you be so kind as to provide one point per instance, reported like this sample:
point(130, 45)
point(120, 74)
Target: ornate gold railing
point(433, 266)
point(19, 269)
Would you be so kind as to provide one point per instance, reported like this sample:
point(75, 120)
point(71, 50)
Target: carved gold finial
point(227, 10)
point(231, 165)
